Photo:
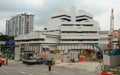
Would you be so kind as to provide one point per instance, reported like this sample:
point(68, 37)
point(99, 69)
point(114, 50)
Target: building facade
point(66, 30)
point(20, 24)
point(75, 26)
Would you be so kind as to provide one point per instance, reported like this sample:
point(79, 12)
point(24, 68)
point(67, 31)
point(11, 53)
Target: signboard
point(8, 51)
point(56, 51)
point(10, 43)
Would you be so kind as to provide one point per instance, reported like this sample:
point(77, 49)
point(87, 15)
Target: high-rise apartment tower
point(20, 24)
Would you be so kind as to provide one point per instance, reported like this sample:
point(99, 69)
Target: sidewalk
point(13, 62)
point(88, 66)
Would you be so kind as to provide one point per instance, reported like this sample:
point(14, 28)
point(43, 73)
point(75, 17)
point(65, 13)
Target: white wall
point(111, 60)
point(51, 39)
point(17, 52)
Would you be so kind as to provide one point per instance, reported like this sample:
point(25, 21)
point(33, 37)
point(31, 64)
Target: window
point(78, 31)
point(67, 24)
point(88, 25)
point(84, 16)
point(61, 16)
point(79, 20)
point(65, 19)
point(79, 39)
point(77, 24)
point(27, 40)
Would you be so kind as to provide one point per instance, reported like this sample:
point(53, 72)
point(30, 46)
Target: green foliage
point(6, 38)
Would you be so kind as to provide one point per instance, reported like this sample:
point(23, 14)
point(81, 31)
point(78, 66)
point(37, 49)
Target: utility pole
point(111, 35)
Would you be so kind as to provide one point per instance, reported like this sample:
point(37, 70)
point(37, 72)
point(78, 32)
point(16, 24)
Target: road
point(17, 68)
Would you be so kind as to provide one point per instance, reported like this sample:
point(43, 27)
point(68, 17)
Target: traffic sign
point(10, 43)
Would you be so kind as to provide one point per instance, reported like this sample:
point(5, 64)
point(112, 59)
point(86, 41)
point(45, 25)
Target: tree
point(6, 38)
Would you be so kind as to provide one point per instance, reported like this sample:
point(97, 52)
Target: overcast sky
point(43, 9)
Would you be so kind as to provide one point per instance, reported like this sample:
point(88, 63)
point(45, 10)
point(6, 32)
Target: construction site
point(72, 40)
point(107, 56)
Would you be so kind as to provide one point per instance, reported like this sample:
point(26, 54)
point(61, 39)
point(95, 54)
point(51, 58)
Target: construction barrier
point(46, 62)
point(82, 59)
point(62, 60)
point(105, 73)
point(2, 62)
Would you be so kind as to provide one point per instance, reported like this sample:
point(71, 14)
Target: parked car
point(32, 61)
point(39, 60)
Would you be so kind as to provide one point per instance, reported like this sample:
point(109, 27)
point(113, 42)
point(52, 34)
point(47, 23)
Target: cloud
point(102, 11)
point(20, 5)
point(50, 6)
point(37, 28)
point(104, 20)
point(34, 2)
point(43, 9)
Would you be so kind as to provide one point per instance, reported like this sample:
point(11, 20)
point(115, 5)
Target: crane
point(99, 53)
point(111, 35)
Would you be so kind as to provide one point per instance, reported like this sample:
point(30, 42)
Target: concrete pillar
point(17, 52)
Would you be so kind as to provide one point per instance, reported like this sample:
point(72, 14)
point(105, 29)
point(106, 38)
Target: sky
point(43, 9)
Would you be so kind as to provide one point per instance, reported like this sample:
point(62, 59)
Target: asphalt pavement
point(18, 68)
